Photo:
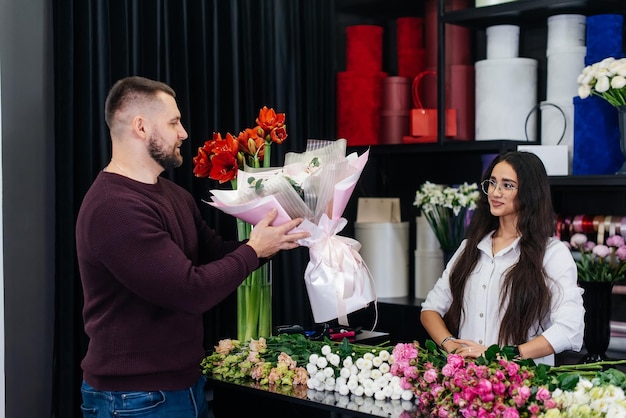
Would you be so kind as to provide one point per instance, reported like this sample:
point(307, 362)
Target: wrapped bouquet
point(315, 185)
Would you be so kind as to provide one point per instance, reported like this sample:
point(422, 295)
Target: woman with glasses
point(511, 282)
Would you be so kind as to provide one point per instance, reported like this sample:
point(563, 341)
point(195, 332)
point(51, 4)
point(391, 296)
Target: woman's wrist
point(445, 340)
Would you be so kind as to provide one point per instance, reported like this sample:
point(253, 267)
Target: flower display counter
point(249, 399)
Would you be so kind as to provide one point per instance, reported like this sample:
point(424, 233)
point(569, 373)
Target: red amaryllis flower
point(252, 144)
point(279, 134)
point(220, 158)
point(224, 167)
point(202, 162)
point(268, 119)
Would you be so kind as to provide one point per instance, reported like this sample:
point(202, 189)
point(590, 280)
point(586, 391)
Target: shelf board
point(528, 12)
point(479, 147)
point(603, 181)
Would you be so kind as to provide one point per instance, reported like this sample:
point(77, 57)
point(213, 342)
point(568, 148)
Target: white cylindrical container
point(424, 236)
point(564, 66)
point(428, 268)
point(566, 30)
point(483, 3)
point(385, 250)
point(502, 41)
point(506, 91)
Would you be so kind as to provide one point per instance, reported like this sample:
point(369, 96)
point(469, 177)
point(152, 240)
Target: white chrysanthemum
point(313, 358)
point(384, 368)
point(368, 391)
point(384, 355)
point(365, 374)
point(347, 362)
point(345, 372)
point(380, 395)
point(352, 384)
point(377, 361)
point(367, 383)
point(375, 374)
point(358, 391)
point(311, 369)
point(326, 350)
point(381, 382)
point(341, 381)
point(320, 376)
point(344, 390)
point(366, 364)
point(321, 362)
point(407, 395)
point(333, 359)
point(329, 372)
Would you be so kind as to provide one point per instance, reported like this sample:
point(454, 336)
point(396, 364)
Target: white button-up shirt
point(564, 325)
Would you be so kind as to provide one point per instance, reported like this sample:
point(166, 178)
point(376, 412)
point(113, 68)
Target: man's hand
point(267, 240)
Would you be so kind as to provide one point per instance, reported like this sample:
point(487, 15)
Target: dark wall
point(27, 206)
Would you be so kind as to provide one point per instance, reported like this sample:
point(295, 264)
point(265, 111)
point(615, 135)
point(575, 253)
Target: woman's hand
point(468, 348)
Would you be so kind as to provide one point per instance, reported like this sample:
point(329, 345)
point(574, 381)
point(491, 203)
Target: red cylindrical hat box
point(364, 49)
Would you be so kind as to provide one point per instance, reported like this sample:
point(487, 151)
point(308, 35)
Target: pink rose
point(430, 375)
point(510, 413)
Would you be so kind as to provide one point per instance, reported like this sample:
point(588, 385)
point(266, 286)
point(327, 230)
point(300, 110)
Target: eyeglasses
point(489, 186)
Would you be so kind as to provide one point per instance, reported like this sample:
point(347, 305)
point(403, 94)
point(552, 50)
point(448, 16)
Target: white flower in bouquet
point(606, 79)
point(445, 209)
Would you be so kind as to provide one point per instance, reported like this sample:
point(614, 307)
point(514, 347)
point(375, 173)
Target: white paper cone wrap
point(506, 91)
point(385, 249)
point(337, 279)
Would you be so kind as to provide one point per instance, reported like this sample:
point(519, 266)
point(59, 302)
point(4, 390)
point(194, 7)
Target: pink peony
point(621, 253)
point(578, 240)
point(615, 241)
point(601, 251)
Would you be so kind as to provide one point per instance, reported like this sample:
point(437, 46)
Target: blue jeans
point(186, 403)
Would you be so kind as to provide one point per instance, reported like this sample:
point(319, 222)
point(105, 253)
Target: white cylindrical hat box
point(506, 92)
point(564, 66)
point(502, 41)
point(385, 250)
point(428, 269)
point(566, 30)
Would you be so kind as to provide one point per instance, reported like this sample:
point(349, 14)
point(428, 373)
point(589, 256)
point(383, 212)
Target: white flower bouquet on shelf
point(315, 185)
point(606, 79)
point(446, 210)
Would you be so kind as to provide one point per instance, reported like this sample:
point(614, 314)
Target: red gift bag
point(424, 121)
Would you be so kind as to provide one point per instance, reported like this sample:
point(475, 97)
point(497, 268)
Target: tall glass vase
point(621, 114)
point(597, 301)
point(254, 298)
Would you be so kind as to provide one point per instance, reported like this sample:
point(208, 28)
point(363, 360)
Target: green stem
point(267, 154)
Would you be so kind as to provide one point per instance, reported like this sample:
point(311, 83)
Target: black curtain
point(225, 60)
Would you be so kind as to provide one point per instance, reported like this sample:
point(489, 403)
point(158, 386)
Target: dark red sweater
point(150, 267)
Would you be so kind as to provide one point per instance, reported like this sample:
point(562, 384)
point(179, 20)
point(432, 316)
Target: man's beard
point(166, 159)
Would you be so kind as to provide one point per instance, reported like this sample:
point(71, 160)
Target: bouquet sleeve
point(337, 279)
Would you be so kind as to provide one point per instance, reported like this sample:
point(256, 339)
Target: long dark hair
point(525, 285)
